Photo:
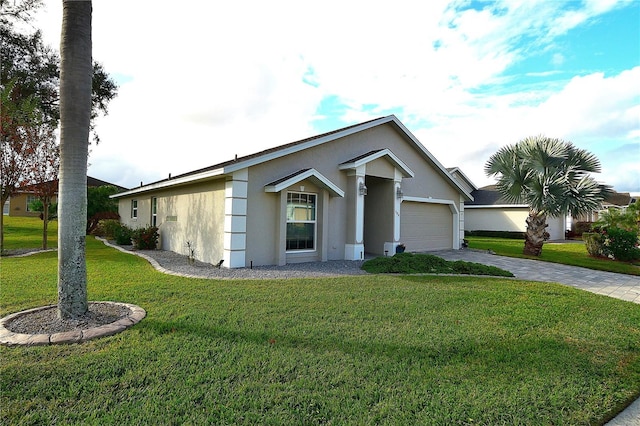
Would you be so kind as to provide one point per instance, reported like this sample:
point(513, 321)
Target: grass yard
point(566, 253)
point(26, 232)
point(373, 349)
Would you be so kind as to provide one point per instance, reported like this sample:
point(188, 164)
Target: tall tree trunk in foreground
point(536, 233)
point(75, 113)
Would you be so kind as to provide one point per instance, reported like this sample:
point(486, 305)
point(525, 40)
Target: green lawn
point(372, 349)
point(566, 253)
point(26, 232)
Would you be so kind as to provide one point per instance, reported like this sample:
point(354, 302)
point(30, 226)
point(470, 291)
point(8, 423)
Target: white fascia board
point(171, 182)
point(311, 173)
point(457, 169)
point(498, 206)
point(431, 158)
point(406, 171)
point(450, 203)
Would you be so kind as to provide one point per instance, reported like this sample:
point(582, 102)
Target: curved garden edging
point(10, 338)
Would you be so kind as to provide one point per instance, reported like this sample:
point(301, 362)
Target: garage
point(426, 226)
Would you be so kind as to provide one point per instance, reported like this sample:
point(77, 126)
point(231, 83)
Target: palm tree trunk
point(75, 113)
point(536, 233)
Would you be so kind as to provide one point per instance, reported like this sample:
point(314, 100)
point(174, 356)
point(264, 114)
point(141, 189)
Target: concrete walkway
point(619, 286)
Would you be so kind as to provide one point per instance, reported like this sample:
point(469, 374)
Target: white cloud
point(208, 80)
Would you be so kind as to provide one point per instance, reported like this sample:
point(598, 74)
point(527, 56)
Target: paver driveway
point(620, 286)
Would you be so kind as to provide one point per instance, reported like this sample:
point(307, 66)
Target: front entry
point(379, 210)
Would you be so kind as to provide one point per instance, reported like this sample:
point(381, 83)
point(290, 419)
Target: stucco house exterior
point(361, 189)
point(489, 212)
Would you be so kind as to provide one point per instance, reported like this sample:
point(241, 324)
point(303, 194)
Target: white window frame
point(314, 222)
point(134, 209)
point(154, 211)
point(31, 199)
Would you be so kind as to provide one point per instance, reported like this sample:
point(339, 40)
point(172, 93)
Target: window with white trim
point(301, 221)
point(31, 199)
point(154, 211)
point(134, 209)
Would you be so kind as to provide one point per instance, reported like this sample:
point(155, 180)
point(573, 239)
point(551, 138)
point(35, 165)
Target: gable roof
point(374, 155)
point(312, 175)
point(239, 163)
point(457, 173)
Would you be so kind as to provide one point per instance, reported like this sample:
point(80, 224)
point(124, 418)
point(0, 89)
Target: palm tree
point(75, 114)
point(552, 177)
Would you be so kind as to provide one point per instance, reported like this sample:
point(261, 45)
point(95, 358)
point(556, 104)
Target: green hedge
point(514, 235)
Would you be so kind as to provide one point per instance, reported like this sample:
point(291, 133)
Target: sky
point(203, 81)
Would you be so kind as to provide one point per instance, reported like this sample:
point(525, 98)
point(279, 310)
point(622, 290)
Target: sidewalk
point(619, 286)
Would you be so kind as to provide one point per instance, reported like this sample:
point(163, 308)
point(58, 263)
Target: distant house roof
point(619, 199)
point(489, 196)
point(91, 182)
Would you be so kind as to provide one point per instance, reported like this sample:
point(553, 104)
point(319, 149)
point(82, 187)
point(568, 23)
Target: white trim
point(171, 182)
point(466, 179)
point(311, 173)
point(432, 201)
point(497, 206)
point(398, 163)
point(314, 222)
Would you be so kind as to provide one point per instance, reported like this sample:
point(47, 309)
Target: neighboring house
point(489, 212)
point(361, 189)
point(18, 203)
point(619, 200)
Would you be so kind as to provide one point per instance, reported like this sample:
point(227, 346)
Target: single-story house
point(366, 188)
point(18, 203)
point(488, 211)
point(617, 200)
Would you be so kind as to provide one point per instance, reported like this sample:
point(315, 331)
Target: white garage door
point(426, 226)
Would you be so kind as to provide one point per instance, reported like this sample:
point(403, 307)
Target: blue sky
point(205, 81)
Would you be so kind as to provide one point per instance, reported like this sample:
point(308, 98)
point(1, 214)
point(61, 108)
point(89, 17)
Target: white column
point(235, 220)
point(354, 247)
point(390, 246)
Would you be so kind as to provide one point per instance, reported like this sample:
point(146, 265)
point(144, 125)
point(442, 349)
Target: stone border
point(9, 338)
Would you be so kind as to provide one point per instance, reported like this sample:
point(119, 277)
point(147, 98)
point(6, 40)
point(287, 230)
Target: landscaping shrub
point(122, 234)
point(594, 243)
point(107, 228)
point(146, 238)
point(579, 228)
point(621, 244)
point(409, 263)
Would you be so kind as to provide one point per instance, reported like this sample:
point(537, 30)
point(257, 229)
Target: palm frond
point(502, 162)
point(543, 154)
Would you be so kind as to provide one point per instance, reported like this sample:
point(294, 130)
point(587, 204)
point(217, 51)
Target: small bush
point(409, 263)
point(579, 228)
point(146, 238)
point(122, 234)
point(107, 228)
point(594, 243)
point(621, 244)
